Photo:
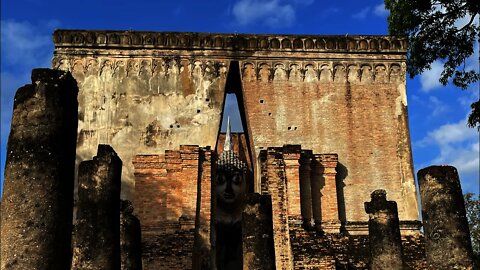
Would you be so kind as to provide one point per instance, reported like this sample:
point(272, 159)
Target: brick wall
point(172, 239)
point(356, 109)
point(342, 251)
point(301, 247)
point(286, 178)
point(166, 202)
point(309, 182)
point(166, 186)
point(167, 250)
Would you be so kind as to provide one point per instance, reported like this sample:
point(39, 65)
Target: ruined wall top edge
point(229, 42)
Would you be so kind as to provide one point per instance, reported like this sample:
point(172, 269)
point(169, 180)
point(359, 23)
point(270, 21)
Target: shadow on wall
point(342, 173)
point(317, 184)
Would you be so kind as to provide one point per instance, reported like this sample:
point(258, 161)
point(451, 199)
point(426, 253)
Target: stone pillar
point(384, 233)
point(130, 238)
point(306, 189)
point(257, 233)
point(97, 230)
point(448, 244)
point(37, 203)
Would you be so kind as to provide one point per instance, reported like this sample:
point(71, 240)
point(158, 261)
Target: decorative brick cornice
point(227, 42)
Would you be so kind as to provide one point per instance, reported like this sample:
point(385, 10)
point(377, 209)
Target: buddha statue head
point(230, 179)
point(230, 182)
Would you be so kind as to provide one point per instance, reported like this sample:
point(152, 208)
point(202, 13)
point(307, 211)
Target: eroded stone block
point(384, 233)
point(130, 238)
point(257, 233)
point(97, 230)
point(37, 203)
point(448, 244)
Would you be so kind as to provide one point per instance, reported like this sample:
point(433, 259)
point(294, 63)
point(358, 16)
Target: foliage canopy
point(444, 30)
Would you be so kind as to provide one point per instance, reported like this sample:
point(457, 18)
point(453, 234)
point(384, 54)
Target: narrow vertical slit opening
point(233, 175)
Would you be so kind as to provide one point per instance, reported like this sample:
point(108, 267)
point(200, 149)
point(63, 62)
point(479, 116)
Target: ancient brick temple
point(325, 124)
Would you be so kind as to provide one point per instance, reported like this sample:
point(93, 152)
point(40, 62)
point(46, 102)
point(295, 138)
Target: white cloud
point(469, 96)
point(458, 146)
point(362, 14)
point(272, 13)
point(24, 44)
point(429, 78)
point(380, 10)
point(466, 159)
point(437, 106)
point(453, 133)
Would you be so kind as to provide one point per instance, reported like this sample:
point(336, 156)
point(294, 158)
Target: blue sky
point(437, 114)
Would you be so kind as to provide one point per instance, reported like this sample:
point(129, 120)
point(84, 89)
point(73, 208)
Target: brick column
point(189, 176)
point(262, 167)
point(97, 231)
point(278, 190)
point(329, 203)
point(130, 238)
point(305, 188)
point(37, 206)
point(203, 257)
point(317, 183)
point(384, 233)
point(291, 157)
point(447, 237)
point(257, 233)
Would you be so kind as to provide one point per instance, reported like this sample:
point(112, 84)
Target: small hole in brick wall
point(261, 100)
point(295, 128)
point(289, 128)
point(178, 126)
point(269, 114)
point(171, 126)
point(198, 111)
point(207, 99)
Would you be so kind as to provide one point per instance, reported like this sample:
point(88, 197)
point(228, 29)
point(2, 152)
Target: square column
point(274, 166)
point(291, 157)
point(325, 188)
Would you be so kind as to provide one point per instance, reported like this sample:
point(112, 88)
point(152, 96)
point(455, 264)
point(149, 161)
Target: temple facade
point(325, 124)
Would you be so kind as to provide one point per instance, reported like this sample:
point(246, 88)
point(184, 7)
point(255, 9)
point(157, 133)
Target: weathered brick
point(167, 208)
